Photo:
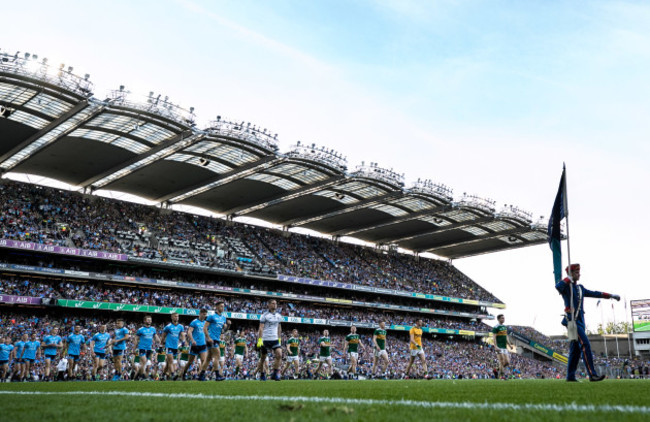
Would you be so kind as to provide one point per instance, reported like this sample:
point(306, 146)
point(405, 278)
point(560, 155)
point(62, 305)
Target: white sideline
point(573, 407)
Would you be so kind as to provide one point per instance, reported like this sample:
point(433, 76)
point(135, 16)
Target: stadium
point(77, 263)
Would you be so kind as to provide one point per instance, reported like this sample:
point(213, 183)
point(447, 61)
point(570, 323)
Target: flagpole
point(602, 325)
point(618, 355)
point(631, 325)
point(568, 244)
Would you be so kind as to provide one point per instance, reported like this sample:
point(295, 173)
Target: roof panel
point(48, 105)
point(28, 119)
point(389, 209)
point(274, 180)
point(211, 165)
point(15, 94)
point(225, 152)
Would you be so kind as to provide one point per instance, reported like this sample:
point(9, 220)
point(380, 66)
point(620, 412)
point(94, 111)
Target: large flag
point(560, 210)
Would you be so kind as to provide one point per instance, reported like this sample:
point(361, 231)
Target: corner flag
point(560, 210)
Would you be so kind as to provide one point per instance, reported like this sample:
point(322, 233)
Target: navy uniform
point(580, 347)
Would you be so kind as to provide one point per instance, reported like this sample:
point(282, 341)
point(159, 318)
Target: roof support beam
point(51, 133)
point(438, 230)
point(223, 179)
point(285, 196)
point(161, 151)
point(353, 207)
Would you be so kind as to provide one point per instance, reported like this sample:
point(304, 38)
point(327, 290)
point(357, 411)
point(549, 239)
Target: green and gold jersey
point(240, 345)
point(353, 342)
point(325, 345)
point(222, 347)
point(294, 346)
point(381, 338)
point(500, 336)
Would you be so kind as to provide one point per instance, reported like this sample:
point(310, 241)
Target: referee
point(269, 340)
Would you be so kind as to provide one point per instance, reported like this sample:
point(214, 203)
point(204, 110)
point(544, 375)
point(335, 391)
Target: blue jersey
point(216, 324)
point(120, 335)
point(173, 335)
point(100, 340)
point(74, 344)
point(20, 346)
point(30, 349)
point(49, 344)
point(146, 337)
point(197, 332)
point(5, 351)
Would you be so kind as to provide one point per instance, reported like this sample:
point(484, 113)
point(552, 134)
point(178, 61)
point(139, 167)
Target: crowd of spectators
point(560, 346)
point(50, 216)
point(446, 358)
point(100, 292)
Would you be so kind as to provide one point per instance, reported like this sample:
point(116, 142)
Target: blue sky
point(487, 97)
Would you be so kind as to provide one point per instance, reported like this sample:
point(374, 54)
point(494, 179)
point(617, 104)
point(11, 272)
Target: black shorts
point(118, 352)
point(102, 356)
point(171, 351)
point(147, 353)
point(75, 358)
point(270, 345)
point(196, 350)
point(50, 357)
point(3, 362)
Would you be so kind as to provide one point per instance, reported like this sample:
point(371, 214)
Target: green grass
point(95, 408)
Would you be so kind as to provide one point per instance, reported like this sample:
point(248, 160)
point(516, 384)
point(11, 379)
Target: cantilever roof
point(53, 126)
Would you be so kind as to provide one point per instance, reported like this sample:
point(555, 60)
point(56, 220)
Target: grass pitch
point(467, 400)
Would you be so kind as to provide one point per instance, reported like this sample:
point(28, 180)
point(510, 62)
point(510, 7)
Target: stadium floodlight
point(474, 201)
point(511, 211)
point(374, 172)
point(27, 64)
point(320, 155)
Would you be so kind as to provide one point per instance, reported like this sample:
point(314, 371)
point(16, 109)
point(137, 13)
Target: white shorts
point(239, 358)
point(222, 359)
point(354, 355)
point(415, 352)
point(379, 353)
point(293, 359)
point(327, 359)
point(504, 352)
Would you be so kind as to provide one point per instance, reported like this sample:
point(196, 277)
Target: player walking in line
point(269, 339)
point(212, 328)
point(31, 352)
point(146, 338)
point(354, 342)
point(98, 350)
point(198, 345)
point(380, 350)
point(6, 353)
point(416, 349)
point(19, 369)
point(118, 342)
point(501, 343)
point(173, 334)
point(75, 344)
point(240, 352)
point(51, 345)
point(293, 354)
point(222, 356)
point(580, 347)
point(325, 354)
